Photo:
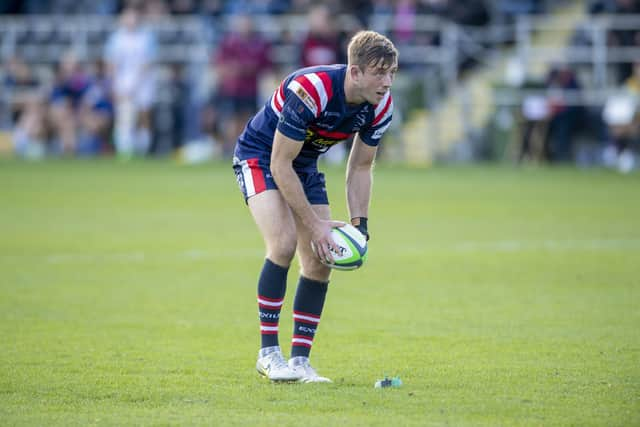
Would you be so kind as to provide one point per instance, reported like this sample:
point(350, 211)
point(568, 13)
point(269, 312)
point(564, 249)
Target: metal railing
point(435, 66)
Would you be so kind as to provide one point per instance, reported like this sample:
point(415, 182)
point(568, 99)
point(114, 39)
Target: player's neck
point(351, 93)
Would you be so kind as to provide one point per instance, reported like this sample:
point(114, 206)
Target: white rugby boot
point(272, 365)
point(301, 366)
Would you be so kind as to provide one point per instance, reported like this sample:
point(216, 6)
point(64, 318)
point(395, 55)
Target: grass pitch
point(500, 296)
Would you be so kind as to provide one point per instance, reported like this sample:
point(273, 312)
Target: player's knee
point(282, 251)
point(315, 270)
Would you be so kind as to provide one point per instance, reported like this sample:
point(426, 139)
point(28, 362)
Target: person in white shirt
point(130, 55)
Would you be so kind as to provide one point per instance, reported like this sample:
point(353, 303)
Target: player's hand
point(360, 223)
point(322, 242)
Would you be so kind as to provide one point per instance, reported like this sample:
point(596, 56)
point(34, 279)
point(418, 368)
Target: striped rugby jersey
point(310, 106)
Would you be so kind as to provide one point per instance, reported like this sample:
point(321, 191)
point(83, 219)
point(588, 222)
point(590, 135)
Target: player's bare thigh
point(310, 264)
point(276, 224)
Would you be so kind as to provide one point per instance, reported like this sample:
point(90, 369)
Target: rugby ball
point(353, 248)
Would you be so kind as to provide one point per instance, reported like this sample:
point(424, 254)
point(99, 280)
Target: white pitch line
point(527, 245)
point(463, 247)
point(130, 257)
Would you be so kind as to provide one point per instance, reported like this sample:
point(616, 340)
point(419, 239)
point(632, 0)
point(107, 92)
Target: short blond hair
point(369, 47)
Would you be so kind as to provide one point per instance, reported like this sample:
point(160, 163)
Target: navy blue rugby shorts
point(254, 176)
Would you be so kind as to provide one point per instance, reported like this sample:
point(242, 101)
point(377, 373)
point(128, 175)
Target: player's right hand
point(321, 239)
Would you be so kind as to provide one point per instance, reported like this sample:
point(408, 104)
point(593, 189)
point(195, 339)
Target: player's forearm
point(291, 189)
point(359, 182)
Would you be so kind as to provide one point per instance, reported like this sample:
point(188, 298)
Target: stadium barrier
point(429, 73)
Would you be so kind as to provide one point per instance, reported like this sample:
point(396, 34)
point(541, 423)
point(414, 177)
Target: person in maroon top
point(241, 59)
point(321, 46)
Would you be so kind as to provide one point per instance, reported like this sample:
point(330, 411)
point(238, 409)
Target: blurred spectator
point(72, 82)
point(622, 116)
point(563, 116)
point(31, 134)
point(404, 21)
point(130, 55)
point(321, 45)
point(96, 114)
point(18, 85)
point(535, 123)
point(172, 106)
point(241, 59)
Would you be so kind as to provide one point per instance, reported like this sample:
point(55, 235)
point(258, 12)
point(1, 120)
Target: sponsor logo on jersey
point(305, 98)
point(360, 120)
point(294, 115)
point(323, 125)
point(319, 142)
point(378, 133)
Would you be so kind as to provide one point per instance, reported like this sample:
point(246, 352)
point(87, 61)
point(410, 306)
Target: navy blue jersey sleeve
point(382, 116)
point(305, 98)
point(295, 117)
point(371, 135)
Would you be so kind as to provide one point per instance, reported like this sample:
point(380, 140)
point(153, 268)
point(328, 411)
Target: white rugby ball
point(353, 248)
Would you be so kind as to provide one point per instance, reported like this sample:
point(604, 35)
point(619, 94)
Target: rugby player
point(275, 162)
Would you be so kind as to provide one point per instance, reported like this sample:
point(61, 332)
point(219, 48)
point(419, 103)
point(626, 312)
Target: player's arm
point(285, 150)
point(359, 182)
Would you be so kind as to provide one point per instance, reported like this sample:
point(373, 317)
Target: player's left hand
point(360, 223)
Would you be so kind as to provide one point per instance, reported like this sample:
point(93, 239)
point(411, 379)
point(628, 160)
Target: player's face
point(377, 80)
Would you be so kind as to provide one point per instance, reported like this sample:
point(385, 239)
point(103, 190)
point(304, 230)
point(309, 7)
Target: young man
point(275, 163)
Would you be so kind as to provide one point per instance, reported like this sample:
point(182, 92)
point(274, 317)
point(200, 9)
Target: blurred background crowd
point(157, 77)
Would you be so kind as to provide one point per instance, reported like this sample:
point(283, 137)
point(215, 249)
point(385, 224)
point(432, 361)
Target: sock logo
point(306, 330)
point(270, 316)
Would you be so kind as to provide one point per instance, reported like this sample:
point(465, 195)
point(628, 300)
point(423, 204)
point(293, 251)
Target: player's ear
point(355, 72)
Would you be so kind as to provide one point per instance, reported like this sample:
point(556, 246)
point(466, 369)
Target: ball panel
point(353, 245)
point(359, 239)
point(350, 253)
point(353, 248)
point(348, 267)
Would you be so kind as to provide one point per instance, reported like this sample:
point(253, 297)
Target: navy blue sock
point(307, 308)
point(272, 286)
